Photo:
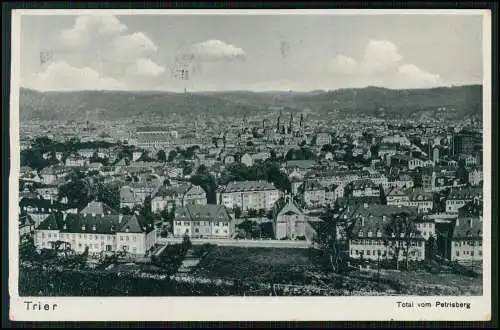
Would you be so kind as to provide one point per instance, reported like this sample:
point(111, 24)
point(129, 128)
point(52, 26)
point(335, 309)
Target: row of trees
point(266, 171)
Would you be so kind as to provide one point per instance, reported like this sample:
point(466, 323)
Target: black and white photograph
point(251, 155)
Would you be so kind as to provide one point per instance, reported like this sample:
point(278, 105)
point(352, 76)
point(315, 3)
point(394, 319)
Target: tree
point(400, 232)
point(171, 155)
point(161, 156)
point(109, 194)
point(237, 212)
point(252, 213)
point(146, 210)
point(126, 210)
point(262, 213)
point(207, 182)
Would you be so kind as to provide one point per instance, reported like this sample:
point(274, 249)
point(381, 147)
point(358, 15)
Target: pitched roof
point(468, 227)
point(136, 224)
point(290, 208)
point(465, 193)
point(95, 207)
point(96, 224)
point(172, 191)
point(248, 186)
point(203, 213)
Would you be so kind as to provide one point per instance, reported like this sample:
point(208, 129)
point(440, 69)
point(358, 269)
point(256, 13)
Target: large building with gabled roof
point(97, 232)
point(204, 221)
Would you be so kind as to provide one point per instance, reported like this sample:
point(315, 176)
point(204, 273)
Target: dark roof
point(468, 228)
point(471, 208)
point(203, 213)
point(465, 193)
point(180, 190)
point(373, 218)
point(98, 224)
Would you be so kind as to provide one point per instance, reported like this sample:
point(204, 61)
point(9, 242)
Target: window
point(121, 238)
point(357, 252)
point(127, 238)
point(134, 238)
point(480, 253)
point(79, 235)
point(367, 252)
point(95, 237)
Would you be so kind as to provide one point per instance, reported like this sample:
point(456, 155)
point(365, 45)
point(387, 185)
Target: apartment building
point(99, 233)
point(248, 195)
point(204, 221)
point(180, 196)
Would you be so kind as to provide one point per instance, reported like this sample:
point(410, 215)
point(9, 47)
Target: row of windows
point(201, 223)
point(469, 253)
point(90, 237)
point(455, 202)
point(468, 243)
point(380, 242)
point(381, 252)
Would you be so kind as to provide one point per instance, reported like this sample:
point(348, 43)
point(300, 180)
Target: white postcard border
point(242, 308)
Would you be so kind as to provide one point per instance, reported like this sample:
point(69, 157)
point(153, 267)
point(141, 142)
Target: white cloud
point(61, 76)
point(380, 55)
point(145, 67)
point(380, 66)
point(212, 50)
point(89, 27)
point(132, 46)
point(411, 76)
point(343, 64)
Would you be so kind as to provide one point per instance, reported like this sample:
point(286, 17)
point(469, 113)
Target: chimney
point(365, 205)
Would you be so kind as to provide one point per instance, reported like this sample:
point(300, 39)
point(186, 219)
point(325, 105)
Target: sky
point(249, 52)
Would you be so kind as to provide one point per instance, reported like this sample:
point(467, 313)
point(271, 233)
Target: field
point(238, 271)
point(257, 264)
point(297, 266)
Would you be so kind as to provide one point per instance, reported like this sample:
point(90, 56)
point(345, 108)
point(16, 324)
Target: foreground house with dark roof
point(367, 237)
point(467, 239)
point(100, 233)
point(204, 221)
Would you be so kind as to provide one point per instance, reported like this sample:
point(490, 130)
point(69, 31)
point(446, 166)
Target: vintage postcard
point(226, 165)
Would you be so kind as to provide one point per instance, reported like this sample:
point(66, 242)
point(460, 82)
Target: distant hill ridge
point(67, 105)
